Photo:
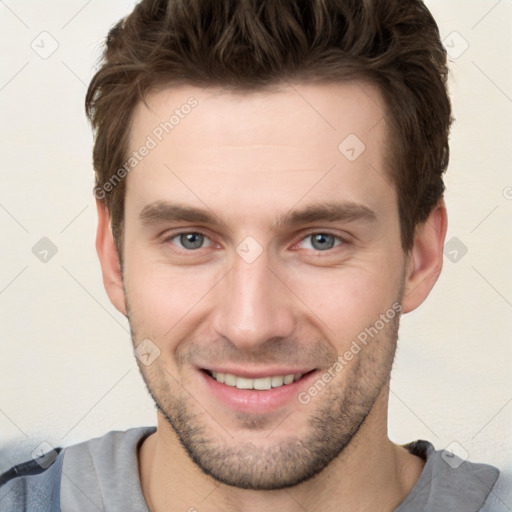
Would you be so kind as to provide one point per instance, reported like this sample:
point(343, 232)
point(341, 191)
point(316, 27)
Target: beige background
point(66, 368)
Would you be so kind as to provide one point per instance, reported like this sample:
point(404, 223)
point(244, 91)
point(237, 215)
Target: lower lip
point(256, 401)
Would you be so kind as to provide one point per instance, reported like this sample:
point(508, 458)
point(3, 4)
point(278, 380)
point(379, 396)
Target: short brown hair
point(251, 44)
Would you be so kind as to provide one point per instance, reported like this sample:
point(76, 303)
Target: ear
point(425, 259)
point(109, 259)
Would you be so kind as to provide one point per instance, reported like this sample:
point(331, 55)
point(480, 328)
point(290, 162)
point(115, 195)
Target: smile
point(256, 390)
point(261, 384)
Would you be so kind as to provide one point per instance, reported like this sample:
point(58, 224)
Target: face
point(261, 247)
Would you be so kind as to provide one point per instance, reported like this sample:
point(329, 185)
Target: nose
point(254, 305)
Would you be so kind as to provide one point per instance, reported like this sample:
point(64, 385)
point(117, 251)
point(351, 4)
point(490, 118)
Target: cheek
point(162, 298)
point(346, 300)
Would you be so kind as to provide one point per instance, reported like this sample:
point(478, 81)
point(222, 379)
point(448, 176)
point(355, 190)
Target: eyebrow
point(328, 212)
point(163, 211)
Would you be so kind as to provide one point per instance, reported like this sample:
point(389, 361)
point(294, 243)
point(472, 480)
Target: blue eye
point(321, 241)
point(191, 241)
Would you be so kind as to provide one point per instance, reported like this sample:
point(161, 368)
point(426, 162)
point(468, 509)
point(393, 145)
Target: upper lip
point(258, 373)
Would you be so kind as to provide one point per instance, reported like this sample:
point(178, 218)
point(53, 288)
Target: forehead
point(328, 111)
point(294, 142)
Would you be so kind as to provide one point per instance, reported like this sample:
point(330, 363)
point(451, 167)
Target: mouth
point(257, 383)
point(255, 392)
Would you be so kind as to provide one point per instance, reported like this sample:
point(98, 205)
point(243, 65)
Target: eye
point(190, 241)
point(320, 241)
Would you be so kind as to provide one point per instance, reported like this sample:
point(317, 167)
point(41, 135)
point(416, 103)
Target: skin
point(250, 159)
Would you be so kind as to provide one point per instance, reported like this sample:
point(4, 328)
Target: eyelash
point(339, 241)
point(337, 238)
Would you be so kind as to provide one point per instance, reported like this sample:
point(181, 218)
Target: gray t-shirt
point(102, 475)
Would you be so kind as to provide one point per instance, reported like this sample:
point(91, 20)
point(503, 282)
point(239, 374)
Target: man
point(270, 201)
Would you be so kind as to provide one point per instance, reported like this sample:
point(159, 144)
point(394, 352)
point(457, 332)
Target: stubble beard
point(338, 413)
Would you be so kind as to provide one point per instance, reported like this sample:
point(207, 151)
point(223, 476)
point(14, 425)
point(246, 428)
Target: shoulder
point(110, 446)
point(448, 481)
point(103, 474)
point(35, 487)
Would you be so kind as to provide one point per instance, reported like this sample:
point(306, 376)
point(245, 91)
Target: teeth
point(262, 383)
point(277, 381)
point(229, 379)
point(288, 379)
point(242, 383)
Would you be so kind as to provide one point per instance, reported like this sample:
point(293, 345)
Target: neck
point(371, 474)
